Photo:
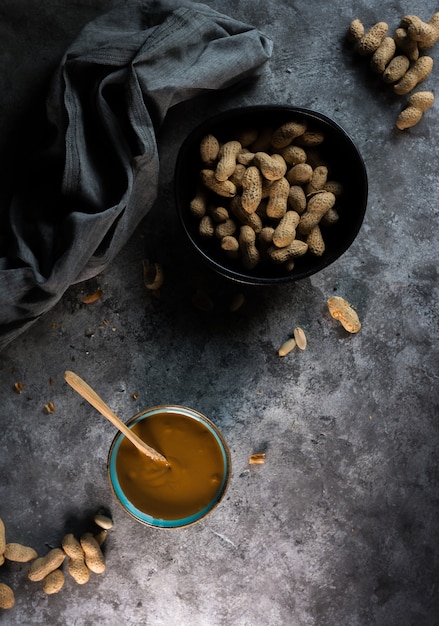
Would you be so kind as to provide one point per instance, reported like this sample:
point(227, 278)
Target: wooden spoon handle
point(84, 390)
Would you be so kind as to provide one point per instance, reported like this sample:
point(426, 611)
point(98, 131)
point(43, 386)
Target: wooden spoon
point(84, 390)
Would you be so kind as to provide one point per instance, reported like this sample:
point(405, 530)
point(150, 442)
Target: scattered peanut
point(418, 103)
point(198, 204)
point(49, 408)
point(94, 559)
point(383, 55)
point(335, 187)
point(76, 566)
point(209, 149)
point(93, 297)
point(299, 174)
point(19, 553)
point(53, 582)
point(278, 199)
point(355, 31)
point(18, 386)
point(250, 219)
point(2, 537)
point(224, 188)
point(227, 160)
point(416, 74)
point(318, 205)
point(153, 275)
point(219, 214)
point(265, 239)
point(310, 139)
point(297, 199)
point(238, 173)
point(206, 227)
point(407, 45)
point(230, 245)
point(425, 33)
point(295, 249)
point(285, 231)
point(293, 154)
point(257, 459)
point(251, 189)
point(318, 180)
point(300, 338)
point(43, 565)
point(103, 521)
point(225, 229)
point(372, 39)
point(342, 311)
point(272, 167)
point(396, 69)
point(245, 157)
point(287, 347)
point(250, 255)
point(284, 135)
point(315, 241)
point(101, 537)
point(7, 598)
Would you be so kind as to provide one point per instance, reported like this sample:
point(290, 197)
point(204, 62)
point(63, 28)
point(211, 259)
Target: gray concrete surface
point(340, 525)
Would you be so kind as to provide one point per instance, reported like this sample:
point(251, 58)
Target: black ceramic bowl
point(346, 166)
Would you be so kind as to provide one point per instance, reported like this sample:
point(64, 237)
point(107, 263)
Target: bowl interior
point(172, 412)
point(346, 166)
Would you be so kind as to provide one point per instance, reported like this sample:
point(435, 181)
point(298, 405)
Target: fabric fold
point(98, 177)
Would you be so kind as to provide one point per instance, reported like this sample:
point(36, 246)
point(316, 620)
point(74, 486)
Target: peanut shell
point(19, 553)
point(341, 310)
point(7, 598)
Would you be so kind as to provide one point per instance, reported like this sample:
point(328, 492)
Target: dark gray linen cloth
point(87, 189)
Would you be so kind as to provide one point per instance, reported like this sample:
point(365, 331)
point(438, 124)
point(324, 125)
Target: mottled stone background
point(340, 525)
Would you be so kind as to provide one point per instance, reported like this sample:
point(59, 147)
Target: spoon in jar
point(84, 390)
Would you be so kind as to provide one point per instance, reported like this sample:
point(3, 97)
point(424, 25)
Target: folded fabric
point(87, 190)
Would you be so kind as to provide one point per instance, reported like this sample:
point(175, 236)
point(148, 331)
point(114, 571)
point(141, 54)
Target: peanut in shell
point(341, 310)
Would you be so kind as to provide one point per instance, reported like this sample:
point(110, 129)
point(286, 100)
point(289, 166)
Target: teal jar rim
point(143, 517)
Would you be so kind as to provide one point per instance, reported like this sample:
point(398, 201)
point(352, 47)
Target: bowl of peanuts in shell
point(270, 194)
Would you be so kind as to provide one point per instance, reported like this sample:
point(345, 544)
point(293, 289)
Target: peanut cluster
point(84, 556)
point(265, 195)
point(400, 59)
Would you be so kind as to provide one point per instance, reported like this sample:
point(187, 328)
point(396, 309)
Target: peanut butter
point(196, 471)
